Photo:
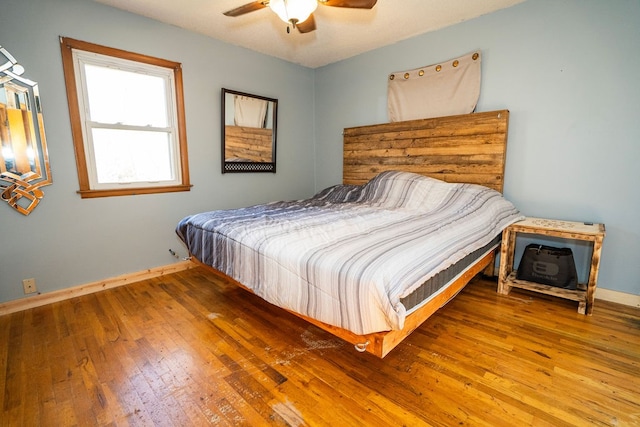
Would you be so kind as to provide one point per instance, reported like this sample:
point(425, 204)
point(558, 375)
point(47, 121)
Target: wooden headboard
point(252, 144)
point(467, 148)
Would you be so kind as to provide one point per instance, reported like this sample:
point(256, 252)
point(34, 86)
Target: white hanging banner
point(445, 89)
point(250, 112)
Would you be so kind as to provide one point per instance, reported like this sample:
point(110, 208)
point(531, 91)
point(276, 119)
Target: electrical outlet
point(29, 286)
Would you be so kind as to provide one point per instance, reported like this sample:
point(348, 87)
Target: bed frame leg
point(362, 347)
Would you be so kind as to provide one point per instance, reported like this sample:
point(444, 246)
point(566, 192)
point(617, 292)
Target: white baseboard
point(89, 288)
point(618, 297)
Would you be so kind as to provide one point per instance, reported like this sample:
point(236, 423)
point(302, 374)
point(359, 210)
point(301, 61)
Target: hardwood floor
point(189, 349)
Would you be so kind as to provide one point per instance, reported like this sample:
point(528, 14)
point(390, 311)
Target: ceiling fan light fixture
point(293, 11)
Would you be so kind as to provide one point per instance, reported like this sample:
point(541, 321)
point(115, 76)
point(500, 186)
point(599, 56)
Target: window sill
point(89, 194)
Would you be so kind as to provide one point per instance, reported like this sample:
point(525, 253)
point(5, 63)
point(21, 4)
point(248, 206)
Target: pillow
point(396, 189)
point(340, 193)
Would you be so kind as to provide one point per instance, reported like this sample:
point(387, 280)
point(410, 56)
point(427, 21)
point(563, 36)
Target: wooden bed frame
point(467, 148)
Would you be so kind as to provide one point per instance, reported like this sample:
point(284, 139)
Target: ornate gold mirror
point(24, 161)
point(248, 132)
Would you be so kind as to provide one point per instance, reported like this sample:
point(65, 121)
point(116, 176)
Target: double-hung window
point(127, 119)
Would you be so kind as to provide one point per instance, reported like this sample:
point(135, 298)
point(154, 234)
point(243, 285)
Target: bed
point(419, 213)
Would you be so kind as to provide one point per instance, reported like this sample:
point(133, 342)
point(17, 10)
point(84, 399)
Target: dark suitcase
point(549, 266)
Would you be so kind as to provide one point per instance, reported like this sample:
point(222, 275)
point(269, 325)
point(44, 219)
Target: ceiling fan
point(298, 13)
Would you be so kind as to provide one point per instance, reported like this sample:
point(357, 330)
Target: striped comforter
point(349, 254)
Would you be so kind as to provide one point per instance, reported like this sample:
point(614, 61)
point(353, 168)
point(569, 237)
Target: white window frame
point(76, 55)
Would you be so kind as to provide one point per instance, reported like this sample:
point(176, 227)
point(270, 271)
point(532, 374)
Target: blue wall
point(69, 241)
point(565, 69)
point(568, 72)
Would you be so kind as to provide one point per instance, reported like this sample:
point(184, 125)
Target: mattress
point(442, 279)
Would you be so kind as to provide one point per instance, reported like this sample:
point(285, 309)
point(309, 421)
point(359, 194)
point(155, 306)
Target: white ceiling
point(341, 33)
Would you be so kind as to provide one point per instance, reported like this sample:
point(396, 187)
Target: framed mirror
point(249, 125)
point(24, 160)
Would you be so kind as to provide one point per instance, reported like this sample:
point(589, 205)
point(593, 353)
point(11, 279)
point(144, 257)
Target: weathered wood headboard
point(252, 144)
point(466, 148)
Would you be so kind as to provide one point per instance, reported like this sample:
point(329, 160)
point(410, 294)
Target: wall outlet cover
point(29, 286)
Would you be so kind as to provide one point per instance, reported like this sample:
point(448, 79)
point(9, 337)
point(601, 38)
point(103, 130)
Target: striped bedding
point(348, 255)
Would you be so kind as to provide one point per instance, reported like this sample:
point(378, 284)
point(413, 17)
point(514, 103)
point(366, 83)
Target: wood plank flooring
point(189, 349)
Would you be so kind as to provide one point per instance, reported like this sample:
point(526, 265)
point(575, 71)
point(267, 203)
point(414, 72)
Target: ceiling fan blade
point(356, 4)
point(307, 26)
point(249, 7)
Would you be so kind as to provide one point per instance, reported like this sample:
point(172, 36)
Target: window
point(127, 120)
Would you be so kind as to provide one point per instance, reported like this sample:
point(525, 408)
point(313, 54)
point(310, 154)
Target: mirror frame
point(21, 189)
point(248, 166)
